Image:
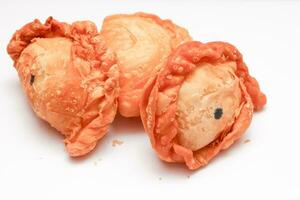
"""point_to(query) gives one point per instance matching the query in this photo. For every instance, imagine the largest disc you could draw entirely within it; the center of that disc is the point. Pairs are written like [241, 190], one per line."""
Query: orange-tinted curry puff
[142, 43]
[70, 77]
[200, 103]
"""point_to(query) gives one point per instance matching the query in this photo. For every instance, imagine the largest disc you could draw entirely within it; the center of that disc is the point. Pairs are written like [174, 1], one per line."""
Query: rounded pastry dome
[208, 103]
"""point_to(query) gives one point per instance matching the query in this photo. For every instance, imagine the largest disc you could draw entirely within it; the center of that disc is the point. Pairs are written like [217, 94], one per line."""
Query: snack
[200, 103]
[142, 43]
[70, 78]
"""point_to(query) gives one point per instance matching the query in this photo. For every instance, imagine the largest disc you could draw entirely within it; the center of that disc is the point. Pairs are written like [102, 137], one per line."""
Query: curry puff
[200, 103]
[142, 43]
[70, 77]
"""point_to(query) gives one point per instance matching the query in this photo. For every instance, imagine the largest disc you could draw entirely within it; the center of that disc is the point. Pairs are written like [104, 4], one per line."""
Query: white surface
[33, 161]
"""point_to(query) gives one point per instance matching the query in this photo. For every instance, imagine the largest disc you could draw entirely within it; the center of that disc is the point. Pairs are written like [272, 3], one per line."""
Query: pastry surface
[142, 43]
[208, 103]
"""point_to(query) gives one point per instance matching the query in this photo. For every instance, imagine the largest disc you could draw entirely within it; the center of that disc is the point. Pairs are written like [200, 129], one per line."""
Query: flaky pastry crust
[71, 79]
[159, 103]
[142, 43]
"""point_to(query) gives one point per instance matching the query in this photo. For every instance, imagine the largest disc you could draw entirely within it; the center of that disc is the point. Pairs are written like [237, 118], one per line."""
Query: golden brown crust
[161, 124]
[142, 43]
[179, 34]
[24, 36]
[70, 78]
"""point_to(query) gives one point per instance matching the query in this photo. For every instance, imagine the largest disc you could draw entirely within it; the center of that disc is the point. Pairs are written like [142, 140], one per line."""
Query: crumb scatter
[117, 143]
[247, 141]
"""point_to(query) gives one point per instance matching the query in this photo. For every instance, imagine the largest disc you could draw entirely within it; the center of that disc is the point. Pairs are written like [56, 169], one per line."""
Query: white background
[33, 161]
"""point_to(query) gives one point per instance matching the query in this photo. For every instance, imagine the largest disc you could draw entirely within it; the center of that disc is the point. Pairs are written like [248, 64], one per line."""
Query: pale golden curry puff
[200, 103]
[142, 43]
[70, 78]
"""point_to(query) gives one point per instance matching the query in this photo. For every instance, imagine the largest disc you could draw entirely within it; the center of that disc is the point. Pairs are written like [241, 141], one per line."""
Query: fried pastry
[70, 78]
[200, 103]
[142, 43]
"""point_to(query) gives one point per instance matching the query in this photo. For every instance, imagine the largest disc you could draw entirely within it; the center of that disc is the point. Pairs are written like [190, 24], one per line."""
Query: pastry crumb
[247, 141]
[117, 143]
[188, 176]
[160, 178]
[97, 161]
